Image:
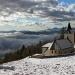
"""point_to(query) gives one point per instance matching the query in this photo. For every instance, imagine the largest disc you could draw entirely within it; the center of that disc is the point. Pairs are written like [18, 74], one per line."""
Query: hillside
[33, 66]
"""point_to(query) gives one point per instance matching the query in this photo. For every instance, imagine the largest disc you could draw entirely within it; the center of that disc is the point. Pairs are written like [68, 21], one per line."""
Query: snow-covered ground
[34, 66]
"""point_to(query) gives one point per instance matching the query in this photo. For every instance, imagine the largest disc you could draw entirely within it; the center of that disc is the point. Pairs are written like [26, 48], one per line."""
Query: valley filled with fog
[11, 41]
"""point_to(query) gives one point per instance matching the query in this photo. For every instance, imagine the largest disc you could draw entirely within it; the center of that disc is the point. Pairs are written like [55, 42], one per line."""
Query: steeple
[69, 28]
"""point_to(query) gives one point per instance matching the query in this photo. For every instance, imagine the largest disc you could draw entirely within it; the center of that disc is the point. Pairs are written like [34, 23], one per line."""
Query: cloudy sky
[36, 15]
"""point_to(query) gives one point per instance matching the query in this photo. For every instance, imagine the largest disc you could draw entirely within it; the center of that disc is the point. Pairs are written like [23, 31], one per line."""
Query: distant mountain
[48, 31]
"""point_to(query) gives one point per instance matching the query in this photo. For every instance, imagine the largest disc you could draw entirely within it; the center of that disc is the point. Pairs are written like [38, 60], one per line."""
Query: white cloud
[71, 8]
[21, 13]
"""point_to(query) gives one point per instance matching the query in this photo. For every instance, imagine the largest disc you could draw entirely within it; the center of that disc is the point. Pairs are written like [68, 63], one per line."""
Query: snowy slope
[33, 66]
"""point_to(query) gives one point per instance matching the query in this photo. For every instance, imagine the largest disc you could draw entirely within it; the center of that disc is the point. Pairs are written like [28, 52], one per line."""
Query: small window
[55, 51]
[59, 52]
[52, 51]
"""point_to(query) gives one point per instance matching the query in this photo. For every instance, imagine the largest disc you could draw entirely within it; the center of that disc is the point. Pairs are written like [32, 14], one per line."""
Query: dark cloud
[61, 15]
[24, 4]
[44, 8]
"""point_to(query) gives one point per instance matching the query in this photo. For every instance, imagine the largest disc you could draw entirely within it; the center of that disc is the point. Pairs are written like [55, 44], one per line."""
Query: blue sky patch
[67, 1]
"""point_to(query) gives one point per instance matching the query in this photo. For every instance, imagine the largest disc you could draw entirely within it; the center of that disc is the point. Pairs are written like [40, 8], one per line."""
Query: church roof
[64, 43]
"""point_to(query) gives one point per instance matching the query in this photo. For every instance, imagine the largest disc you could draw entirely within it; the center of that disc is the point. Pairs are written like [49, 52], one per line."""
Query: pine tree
[23, 47]
[22, 51]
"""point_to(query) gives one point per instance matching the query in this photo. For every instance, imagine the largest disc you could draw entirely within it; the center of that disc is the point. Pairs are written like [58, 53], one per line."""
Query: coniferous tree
[23, 52]
[23, 47]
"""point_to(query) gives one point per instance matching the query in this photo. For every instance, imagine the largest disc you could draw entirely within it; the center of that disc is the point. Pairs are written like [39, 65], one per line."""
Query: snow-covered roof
[48, 45]
[64, 43]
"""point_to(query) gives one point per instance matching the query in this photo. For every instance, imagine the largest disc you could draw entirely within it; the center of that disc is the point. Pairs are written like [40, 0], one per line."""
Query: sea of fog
[10, 42]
